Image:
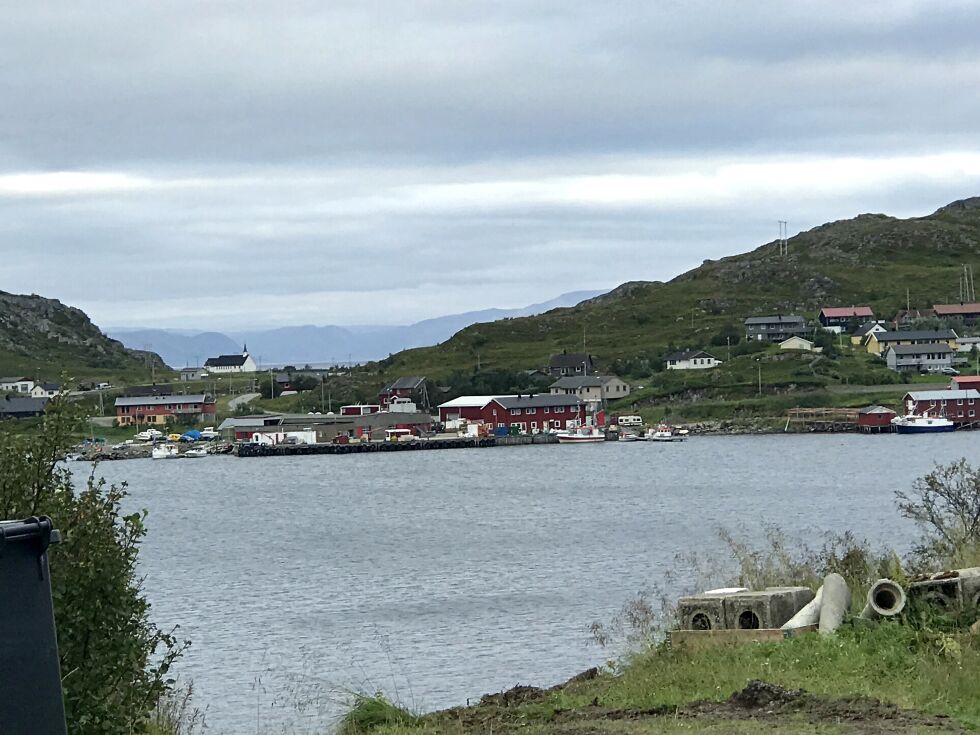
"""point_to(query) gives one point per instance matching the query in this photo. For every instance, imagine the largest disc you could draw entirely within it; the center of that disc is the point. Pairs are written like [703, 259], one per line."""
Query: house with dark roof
[136, 391]
[930, 357]
[156, 410]
[859, 335]
[599, 388]
[691, 360]
[19, 408]
[570, 363]
[529, 413]
[410, 387]
[243, 363]
[45, 390]
[878, 342]
[16, 385]
[836, 318]
[774, 328]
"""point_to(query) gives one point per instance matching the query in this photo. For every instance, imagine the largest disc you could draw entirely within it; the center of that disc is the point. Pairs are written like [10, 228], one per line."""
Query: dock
[293, 450]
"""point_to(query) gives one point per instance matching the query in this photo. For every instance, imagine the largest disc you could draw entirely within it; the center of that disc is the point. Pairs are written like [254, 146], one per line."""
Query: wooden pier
[293, 450]
[822, 419]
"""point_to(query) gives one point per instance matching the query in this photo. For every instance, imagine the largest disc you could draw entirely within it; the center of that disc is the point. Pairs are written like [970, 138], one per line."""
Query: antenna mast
[783, 242]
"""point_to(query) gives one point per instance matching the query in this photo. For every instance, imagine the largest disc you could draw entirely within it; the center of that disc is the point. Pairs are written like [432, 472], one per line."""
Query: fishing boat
[666, 433]
[921, 424]
[163, 451]
[587, 434]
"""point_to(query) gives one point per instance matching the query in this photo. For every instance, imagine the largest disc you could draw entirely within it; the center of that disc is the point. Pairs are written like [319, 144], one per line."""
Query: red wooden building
[134, 410]
[965, 382]
[411, 387]
[875, 419]
[959, 406]
[359, 409]
[528, 413]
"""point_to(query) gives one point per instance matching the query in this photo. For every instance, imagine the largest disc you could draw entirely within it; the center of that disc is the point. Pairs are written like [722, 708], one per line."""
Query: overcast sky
[231, 165]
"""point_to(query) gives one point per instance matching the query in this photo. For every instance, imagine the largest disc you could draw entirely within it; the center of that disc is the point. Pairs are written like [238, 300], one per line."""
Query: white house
[691, 360]
[45, 390]
[16, 385]
[243, 363]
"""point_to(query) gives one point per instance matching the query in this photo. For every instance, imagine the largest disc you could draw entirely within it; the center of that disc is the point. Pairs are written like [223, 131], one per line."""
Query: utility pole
[759, 366]
[321, 391]
[783, 242]
[272, 385]
[728, 345]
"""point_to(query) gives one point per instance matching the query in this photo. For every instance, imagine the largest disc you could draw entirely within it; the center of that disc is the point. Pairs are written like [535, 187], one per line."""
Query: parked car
[949, 371]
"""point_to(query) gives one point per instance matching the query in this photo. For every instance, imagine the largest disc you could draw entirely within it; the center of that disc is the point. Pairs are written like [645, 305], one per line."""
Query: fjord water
[439, 576]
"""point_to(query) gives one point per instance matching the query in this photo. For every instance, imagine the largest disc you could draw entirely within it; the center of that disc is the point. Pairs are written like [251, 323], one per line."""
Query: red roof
[953, 309]
[847, 311]
[967, 380]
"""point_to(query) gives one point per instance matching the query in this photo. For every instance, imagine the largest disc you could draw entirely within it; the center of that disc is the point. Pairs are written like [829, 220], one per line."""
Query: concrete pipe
[835, 603]
[809, 614]
[885, 599]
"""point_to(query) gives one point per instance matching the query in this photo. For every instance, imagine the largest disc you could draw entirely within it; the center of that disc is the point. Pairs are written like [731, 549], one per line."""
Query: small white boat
[666, 433]
[582, 435]
[163, 451]
[627, 436]
[925, 424]
[196, 452]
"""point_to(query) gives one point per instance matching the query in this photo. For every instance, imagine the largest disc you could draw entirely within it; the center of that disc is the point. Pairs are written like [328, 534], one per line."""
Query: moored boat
[196, 452]
[587, 434]
[921, 424]
[628, 436]
[163, 451]
[666, 433]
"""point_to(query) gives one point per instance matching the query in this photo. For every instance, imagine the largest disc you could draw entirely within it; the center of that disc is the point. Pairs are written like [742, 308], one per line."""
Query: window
[547, 409]
[534, 424]
[515, 412]
[972, 413]
[530, 410]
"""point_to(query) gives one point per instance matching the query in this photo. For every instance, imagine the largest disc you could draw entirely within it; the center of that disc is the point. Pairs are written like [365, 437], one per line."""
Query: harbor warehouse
[959, 406]
[525, 412]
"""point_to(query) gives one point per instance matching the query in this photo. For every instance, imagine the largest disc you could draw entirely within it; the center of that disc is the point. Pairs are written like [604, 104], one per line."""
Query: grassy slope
[43, 338]
[870, 259]
[926, 672]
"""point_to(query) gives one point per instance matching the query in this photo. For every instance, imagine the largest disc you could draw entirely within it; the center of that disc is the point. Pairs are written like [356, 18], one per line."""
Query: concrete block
[941, 591]
[768, 608]
[970, 588]
[702, 612]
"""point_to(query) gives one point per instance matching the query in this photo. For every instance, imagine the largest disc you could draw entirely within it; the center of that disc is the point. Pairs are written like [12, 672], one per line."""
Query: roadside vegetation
[913, 675]
[115, 660]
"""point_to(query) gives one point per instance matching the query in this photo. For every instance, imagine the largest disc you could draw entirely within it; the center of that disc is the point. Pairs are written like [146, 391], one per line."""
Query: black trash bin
[30, 678]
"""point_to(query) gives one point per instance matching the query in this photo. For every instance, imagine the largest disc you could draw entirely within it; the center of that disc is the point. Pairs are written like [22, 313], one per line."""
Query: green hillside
[43, 337]
[871, 259]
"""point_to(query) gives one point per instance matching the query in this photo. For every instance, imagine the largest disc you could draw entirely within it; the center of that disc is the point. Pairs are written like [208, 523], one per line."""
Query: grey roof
[537, 400]
[10, 406]
[609, 378]
[160, 400]
[777, 319]
[943, 395]
[864, 329]
[933, 334]
[226, 361]
[14, 380]
[928, 347]
[49, 386]
[576, 382]
[569, 359]
[875, 409]
[408, 382]
[688, 355]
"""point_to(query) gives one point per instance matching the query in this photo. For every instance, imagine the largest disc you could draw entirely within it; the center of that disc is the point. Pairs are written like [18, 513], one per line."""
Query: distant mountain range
[310, 344]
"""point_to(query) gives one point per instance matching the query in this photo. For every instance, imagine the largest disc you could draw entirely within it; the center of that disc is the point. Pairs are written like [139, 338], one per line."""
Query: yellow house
[859, 335]
[877, 343]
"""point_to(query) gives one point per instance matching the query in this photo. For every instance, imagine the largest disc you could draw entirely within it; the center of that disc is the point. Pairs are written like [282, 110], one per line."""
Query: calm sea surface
[439, 576]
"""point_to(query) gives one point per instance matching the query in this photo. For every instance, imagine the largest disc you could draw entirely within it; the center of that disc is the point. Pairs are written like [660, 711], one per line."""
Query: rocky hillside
[43, 335]
[871, 259]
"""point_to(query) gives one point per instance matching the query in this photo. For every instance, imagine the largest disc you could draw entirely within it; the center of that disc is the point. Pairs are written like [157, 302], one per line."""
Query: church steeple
[244, 350]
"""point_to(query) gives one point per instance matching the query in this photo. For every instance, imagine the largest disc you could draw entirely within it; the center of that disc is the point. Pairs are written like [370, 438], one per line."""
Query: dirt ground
[760, 707]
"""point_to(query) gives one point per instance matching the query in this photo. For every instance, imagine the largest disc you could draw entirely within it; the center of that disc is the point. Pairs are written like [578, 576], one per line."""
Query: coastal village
[570, 399]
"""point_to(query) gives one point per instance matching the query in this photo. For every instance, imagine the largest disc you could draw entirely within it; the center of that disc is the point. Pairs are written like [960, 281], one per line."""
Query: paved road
[242, 400]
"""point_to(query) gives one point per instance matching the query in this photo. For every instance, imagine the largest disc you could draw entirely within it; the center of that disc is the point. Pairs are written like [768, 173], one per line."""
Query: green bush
[114, 660]
[369, 713]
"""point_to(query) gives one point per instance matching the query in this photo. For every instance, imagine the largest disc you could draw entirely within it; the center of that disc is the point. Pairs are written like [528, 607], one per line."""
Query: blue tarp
[191, 436]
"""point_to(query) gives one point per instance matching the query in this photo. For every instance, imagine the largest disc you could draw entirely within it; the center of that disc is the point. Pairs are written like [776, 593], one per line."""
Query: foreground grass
[931, 673]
